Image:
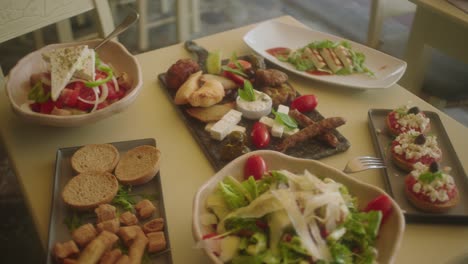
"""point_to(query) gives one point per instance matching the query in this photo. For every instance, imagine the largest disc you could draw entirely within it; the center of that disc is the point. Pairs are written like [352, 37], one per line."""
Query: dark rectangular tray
[309, 149]
[394, 177]
[58, 231]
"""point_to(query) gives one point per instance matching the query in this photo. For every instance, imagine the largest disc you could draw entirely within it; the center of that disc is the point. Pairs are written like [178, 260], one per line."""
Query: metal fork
[363, 163]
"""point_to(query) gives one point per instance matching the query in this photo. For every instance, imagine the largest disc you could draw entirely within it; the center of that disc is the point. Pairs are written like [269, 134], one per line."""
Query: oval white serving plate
[271, 34]
[391, 233]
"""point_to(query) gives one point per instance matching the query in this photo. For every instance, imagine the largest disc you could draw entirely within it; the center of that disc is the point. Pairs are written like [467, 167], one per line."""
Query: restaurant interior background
[446, 78]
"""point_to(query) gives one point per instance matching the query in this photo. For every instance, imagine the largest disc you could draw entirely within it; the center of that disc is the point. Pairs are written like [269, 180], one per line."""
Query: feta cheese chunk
[65, 62]
[223, 127]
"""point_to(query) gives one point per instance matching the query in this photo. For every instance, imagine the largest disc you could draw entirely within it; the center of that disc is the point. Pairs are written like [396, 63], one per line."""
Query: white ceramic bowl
[390, 235]
[113, 53]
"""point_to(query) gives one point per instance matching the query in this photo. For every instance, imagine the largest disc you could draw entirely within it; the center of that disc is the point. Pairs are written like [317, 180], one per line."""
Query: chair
[18, 18]
[187, 12]
[381, 9]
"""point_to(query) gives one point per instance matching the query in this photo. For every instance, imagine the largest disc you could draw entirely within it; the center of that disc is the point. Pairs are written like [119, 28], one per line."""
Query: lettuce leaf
[232, 196]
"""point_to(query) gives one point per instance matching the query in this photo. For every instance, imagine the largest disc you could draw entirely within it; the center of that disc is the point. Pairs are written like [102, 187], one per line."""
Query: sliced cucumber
[213, 62]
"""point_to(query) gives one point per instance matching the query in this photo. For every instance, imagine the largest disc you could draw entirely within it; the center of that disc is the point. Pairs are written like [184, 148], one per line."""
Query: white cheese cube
[221, 129]
[267, 121]
[277, 130]
[283, 109]
[288, 132]
[233, 116]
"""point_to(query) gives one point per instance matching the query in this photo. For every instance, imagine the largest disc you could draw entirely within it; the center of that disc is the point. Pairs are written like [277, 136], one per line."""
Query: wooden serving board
[309, 149]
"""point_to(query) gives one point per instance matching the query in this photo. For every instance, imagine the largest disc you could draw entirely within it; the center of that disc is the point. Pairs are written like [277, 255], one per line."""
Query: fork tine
[373, 162]
[369, 158]
[376, 167]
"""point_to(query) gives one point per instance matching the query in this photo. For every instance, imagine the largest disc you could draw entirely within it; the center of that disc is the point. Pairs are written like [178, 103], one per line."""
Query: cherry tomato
[380, 203]
[260, 135]
[304, 103]
[255, 166]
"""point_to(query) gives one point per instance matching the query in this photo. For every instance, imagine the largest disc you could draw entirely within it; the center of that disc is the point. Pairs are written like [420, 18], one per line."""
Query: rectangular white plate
[271, 34]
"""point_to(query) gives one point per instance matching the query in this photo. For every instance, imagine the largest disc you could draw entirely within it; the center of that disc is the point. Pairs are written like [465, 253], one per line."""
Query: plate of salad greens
[267, 207]
[324, 57]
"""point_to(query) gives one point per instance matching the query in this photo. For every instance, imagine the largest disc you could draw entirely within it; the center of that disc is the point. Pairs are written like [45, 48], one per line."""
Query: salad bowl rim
[82, 119]
[221, 174]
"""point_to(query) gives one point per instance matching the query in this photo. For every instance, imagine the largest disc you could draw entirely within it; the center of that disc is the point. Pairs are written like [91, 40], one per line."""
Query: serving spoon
[126, 23]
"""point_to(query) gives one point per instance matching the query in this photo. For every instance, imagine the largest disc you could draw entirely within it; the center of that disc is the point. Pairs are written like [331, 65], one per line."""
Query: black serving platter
[58, 231]
[394, 177]
[309, 149]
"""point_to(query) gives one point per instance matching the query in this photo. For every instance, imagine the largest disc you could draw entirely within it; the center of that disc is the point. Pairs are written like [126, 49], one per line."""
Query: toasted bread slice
[212, 113]
[95, 157]
[138, 166]
[431, 207]
[88, 190]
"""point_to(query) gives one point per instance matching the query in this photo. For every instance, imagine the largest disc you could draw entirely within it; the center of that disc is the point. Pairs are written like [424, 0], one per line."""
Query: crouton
[145, 209]
[156, 241]
[105, 212]
[129, 233]
[112, 225]
[111, 257]
[84, 234]
[128, 219]
[66, 249]
[154, 225]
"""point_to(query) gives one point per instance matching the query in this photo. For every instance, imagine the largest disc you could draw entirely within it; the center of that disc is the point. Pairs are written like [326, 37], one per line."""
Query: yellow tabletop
[184, 167]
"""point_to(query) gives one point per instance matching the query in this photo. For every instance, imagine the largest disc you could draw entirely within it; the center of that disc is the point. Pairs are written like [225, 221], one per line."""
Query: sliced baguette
[88, 190]
[138, 166]
[95, 157]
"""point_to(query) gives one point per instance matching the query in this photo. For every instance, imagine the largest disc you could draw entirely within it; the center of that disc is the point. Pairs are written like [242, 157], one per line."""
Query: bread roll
[95, 157]
[90, 189]
[138, 166]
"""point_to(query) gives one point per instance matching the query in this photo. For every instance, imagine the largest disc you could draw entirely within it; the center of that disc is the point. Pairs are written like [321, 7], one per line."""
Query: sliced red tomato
[255, 166]
[209, 235]
[279, 52]
[47, 107]
[244, 64]
[380, 203]
[103, 104]
[234, 77]
[260, 135]
[68, 98]
[86, 94]
[305, 103]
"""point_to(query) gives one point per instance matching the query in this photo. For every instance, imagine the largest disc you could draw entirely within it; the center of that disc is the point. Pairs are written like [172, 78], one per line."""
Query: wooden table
[437, 24]
[184, 167]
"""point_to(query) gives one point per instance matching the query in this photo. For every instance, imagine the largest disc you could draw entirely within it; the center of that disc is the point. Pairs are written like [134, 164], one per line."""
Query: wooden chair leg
[38, 38]
[105, 17]
[64, 31]
[142, 25]
[375, 23]
[196, 23]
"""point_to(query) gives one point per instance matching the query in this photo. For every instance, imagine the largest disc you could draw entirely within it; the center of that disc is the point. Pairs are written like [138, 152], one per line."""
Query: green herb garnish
[76, 220]
[37, 93]
[284, 119]
[247, 93]
[109, 73]
[238, 72]
[429, 177]
[124, 199]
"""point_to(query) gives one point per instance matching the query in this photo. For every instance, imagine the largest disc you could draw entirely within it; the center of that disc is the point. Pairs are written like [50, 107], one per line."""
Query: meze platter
[333, 59]
[441, 191]
[237, 105]
[118, 228]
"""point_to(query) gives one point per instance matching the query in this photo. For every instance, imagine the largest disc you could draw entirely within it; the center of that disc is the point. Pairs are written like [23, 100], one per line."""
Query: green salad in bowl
[266, 207]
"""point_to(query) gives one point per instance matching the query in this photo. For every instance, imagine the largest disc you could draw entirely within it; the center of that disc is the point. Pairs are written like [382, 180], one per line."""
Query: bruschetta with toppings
[411, 147]
[405, 118]
[431, 189]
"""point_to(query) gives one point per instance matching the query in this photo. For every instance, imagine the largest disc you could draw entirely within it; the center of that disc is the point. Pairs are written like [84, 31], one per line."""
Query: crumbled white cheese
[411, 150]
[435, 190]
